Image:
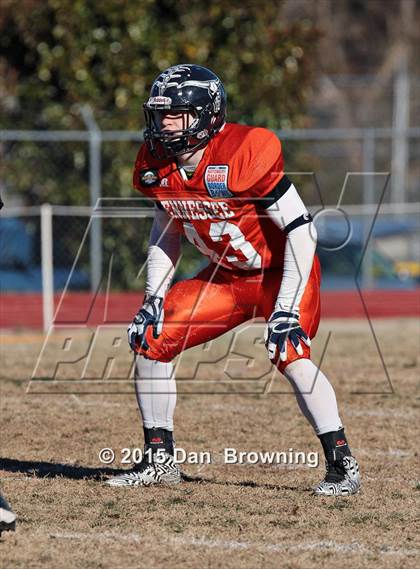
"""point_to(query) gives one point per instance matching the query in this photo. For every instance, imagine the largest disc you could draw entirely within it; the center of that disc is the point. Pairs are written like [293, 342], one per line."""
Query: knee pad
[161, 349]
[293, 356]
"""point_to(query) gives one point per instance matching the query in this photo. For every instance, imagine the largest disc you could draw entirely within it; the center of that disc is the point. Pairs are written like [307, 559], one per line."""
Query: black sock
[158, 438]
[335, 445]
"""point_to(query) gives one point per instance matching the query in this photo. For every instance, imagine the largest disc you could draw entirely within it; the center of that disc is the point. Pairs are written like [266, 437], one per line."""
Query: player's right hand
[150, 314]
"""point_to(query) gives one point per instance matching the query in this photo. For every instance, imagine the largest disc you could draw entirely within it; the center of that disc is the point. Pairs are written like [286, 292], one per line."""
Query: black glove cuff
[283, 314]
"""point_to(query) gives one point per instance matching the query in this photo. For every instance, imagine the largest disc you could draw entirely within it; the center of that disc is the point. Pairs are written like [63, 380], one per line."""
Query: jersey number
[237, 242]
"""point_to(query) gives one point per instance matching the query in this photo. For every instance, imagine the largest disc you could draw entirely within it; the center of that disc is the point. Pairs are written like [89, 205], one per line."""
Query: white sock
[156, 392]
[315, 395]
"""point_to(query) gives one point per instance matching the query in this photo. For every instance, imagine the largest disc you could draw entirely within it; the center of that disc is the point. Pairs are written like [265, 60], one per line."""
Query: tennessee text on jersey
[197, 209]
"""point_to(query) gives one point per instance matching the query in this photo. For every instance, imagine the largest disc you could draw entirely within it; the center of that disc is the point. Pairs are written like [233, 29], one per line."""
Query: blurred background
[338, 81]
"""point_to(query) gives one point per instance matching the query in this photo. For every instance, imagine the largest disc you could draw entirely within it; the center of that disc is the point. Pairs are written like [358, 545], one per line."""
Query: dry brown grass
[224, 516]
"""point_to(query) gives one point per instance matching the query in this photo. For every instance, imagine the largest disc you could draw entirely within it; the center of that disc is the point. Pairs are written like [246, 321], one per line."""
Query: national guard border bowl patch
[148, 177]
[216, 181]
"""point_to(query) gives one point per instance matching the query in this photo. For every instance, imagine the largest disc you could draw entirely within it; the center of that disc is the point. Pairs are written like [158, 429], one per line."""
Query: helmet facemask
[165, 143]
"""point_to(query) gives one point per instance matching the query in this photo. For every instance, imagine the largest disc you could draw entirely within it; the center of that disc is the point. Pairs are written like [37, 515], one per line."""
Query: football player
[7, 516]
[222, 185]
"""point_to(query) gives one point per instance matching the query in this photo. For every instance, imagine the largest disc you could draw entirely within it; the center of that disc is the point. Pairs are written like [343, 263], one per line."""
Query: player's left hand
[283, 326]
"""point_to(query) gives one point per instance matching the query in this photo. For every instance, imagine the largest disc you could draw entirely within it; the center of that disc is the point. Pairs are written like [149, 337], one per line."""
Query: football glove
[150, 314]
[283, 326]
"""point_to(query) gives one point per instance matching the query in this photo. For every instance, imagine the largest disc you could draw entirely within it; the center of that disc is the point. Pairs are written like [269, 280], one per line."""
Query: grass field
[222, 515]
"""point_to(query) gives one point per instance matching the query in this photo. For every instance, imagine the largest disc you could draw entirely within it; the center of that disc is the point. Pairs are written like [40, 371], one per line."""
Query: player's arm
[162, 256]
[287, 210]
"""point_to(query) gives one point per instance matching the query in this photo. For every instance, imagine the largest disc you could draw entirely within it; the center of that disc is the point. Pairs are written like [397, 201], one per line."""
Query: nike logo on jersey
[195, 209]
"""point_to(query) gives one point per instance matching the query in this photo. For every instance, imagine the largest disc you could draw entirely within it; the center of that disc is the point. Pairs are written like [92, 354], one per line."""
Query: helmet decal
[217, 102]
[163, 81]
[160, 102]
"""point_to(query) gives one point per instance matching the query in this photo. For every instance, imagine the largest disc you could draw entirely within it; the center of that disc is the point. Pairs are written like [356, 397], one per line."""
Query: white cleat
[7, 517]
[342, 479]
[161, 470]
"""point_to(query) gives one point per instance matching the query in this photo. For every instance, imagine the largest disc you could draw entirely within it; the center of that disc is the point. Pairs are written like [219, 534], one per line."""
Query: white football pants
[156, 394]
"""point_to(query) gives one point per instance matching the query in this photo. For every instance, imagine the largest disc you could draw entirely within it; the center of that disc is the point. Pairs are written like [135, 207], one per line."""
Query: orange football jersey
[219, 209]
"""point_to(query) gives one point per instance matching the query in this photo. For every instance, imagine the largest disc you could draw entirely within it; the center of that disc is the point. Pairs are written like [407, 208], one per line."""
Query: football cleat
[162, 469]
[342, 478]
[7, 517]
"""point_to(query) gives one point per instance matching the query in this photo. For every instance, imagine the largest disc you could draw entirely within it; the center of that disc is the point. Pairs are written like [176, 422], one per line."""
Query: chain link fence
[78, 167]
[346, 168]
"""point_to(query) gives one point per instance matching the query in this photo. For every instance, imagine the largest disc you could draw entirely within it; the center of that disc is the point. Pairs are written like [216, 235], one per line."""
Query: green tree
[56, 55]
